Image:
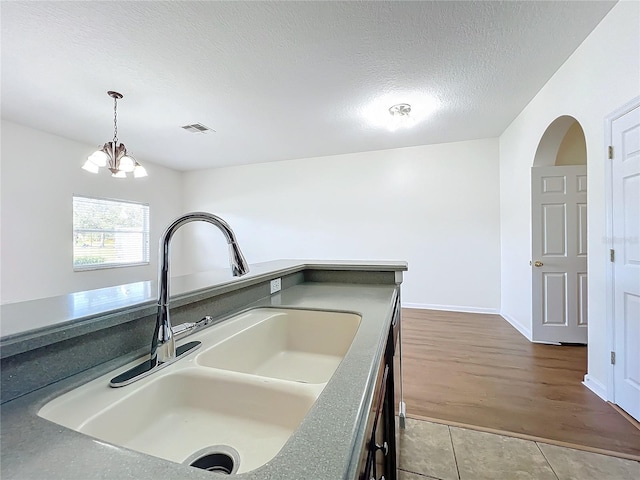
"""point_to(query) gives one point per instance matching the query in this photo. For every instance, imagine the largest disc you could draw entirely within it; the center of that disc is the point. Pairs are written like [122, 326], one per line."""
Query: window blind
[109, 233]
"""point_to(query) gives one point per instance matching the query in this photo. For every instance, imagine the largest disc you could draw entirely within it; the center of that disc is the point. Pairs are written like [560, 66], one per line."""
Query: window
[109, 233]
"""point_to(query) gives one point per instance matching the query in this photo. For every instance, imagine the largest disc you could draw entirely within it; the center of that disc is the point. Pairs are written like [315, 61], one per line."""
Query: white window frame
[108, 265]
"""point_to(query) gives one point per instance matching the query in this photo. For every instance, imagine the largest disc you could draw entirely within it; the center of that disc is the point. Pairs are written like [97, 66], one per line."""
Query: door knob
[538, 263]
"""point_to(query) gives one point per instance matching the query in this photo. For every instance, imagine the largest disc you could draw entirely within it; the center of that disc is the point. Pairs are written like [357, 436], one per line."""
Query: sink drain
[215, 462]
[218, 458]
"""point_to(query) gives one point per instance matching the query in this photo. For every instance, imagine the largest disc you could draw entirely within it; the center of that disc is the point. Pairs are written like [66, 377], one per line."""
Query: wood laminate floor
[477, 370]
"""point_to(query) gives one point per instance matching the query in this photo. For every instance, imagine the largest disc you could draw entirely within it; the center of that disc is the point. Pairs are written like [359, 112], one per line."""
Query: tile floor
[439, 452]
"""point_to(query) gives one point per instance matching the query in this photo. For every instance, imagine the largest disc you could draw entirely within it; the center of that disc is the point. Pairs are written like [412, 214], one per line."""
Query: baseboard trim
[524, 331]
[595, 386]
[450, 308]
[627, 416]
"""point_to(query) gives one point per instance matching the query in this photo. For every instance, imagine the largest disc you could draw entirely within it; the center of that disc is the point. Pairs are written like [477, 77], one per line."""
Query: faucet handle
[187, 328]
[204, 321]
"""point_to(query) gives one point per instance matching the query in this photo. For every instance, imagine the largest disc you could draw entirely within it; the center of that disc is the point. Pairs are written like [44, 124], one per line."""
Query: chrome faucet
[163, 344]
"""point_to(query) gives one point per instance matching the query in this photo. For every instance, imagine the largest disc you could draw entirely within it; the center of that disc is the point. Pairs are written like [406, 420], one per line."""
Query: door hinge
[610, 152]
[613, 358]
[612, 255]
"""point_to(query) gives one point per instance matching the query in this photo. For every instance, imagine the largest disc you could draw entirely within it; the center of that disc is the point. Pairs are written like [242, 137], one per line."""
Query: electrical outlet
[276, 285]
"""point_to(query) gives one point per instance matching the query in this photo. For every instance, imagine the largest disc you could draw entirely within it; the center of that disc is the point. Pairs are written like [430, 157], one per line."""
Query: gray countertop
[325, 446]
[60, 310]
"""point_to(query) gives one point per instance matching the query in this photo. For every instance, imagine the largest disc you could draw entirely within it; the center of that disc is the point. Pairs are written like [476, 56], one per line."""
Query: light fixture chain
[115, 122]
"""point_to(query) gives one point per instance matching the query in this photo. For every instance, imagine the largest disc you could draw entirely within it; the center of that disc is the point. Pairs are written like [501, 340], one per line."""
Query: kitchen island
[335, 440]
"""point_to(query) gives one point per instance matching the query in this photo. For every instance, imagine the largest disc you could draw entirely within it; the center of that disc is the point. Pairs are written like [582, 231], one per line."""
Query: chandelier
[113, 155]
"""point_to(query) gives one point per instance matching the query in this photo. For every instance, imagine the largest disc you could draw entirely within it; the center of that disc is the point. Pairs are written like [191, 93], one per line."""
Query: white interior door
[625, 173]
[559, 253]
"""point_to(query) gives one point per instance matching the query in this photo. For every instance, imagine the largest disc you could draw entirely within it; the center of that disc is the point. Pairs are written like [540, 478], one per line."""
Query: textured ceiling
[280, 80]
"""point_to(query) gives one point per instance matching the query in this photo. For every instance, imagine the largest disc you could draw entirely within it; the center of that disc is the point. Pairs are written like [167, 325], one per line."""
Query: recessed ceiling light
[400, 110]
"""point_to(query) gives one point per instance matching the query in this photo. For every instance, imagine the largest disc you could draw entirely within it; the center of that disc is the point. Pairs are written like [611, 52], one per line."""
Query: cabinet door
[379, 445]
[390, 406]
[383, 442]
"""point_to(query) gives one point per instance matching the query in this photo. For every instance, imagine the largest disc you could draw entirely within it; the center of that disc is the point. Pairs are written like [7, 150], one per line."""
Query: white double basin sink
[248, 387]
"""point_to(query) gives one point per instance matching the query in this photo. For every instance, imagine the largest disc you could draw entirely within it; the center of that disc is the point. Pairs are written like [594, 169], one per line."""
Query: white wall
[601, 75]
[40, 173]
[435, 206]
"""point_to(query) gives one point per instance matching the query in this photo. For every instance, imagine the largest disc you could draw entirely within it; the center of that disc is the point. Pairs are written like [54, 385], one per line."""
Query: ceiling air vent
[197, 128]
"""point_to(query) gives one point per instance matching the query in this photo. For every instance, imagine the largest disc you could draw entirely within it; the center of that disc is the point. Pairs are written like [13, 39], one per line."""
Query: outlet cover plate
[276, 285]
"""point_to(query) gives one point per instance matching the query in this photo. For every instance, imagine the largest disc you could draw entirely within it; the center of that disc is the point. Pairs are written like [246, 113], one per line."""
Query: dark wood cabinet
[378, 458]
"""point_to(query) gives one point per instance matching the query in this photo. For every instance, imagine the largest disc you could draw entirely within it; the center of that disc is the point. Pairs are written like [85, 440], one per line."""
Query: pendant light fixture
[113, 155]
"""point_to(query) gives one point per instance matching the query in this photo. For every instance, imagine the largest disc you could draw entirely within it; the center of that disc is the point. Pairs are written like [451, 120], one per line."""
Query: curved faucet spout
[163, 347]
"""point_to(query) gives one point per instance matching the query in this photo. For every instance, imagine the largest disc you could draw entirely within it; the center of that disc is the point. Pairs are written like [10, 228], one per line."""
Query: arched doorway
[559, 234]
